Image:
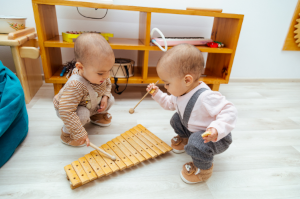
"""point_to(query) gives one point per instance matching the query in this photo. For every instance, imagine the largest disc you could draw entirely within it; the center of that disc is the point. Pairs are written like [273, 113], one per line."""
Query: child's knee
[111, 100]
[175, 120]
[196, 145]
[83, 114]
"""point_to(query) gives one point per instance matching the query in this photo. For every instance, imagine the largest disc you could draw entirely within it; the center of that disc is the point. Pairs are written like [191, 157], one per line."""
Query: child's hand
[83, 140]
[155, 88]
[212, 137]
[103, 104]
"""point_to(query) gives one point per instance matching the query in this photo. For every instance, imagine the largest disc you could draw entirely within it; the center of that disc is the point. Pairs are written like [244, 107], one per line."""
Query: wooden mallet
[131, 110]
[103, 152]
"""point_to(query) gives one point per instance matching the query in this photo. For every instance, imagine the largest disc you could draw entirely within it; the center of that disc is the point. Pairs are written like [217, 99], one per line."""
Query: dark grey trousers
[201, 153]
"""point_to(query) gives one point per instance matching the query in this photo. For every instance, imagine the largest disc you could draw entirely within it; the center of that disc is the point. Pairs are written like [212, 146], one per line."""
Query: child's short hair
[183, 59]
[91, 44]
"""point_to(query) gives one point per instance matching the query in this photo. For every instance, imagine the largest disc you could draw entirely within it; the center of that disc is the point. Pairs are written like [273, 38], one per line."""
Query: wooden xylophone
[130, 148]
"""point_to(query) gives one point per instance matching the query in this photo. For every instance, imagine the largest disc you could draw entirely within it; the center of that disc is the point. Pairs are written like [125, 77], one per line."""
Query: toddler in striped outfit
[198, 109]
[86, 97]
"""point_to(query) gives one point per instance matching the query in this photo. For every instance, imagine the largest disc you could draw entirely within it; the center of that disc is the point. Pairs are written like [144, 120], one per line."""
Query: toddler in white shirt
[199, 109]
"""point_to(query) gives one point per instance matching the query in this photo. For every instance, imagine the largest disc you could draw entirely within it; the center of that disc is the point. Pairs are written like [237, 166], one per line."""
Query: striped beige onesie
[74, 94]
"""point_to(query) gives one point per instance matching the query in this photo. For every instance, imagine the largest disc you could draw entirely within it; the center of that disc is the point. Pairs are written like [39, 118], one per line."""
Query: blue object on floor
[13, 114]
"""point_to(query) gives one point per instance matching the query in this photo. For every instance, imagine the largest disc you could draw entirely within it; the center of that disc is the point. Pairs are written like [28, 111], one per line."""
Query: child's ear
[188, 80]
[79, 66]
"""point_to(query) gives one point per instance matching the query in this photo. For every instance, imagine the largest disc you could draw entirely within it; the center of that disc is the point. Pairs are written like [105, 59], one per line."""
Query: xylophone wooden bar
[146, 141]
[120, 154]
[131, 148]
[87, 168]
[142, 145]
[96, 167]
[136, 146]
[128, 154]
[154, 137]
[118, 163]
[139, 156]
[107, 170]
[153, 141]
[80, 172]
[72, 176]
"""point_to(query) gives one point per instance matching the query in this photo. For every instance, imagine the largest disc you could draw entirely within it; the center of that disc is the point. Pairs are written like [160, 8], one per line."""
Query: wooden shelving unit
[226, 28]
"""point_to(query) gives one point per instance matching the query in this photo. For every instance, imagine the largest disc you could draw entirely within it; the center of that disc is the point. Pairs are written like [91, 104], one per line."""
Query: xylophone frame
[130, 148]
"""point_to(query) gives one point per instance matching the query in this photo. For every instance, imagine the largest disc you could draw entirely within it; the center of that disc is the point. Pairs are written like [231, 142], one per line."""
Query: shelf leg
[57, 88]
[214, 87]
[21, 72]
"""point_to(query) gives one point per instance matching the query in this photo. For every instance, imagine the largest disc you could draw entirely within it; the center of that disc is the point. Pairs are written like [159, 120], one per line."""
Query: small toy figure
[215, 44]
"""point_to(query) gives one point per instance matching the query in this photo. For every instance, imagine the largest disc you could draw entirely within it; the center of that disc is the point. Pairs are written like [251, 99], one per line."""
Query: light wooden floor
[263, 161]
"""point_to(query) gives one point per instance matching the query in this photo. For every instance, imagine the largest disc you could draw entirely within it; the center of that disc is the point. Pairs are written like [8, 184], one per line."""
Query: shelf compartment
[209, 79]
[115, 43]
[136, 79]
[201, 48]
[129, 44]
[77, 3]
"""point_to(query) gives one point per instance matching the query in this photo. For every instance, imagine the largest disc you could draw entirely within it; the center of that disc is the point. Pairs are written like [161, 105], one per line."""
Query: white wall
[258, 55]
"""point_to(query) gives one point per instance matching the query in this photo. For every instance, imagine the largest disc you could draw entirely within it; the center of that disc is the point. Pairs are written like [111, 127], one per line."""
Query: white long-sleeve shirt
[211, 110]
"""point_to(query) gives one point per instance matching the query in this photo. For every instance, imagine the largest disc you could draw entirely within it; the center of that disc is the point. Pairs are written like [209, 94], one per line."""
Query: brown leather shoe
[65, 139]
[178, 143]
[191, 174]
[101, 119]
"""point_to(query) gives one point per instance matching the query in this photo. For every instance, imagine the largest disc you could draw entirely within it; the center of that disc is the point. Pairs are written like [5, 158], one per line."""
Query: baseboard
[257, 80]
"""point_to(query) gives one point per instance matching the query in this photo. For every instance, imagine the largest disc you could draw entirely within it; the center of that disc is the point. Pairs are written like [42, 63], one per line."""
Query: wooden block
[155, 137]
[20, 33]
[72, 176]
[112, 165]
[144, 140]
[128, 154]
[106, 169]
[87, 168]
[132, 142]
[29, 52]
[153, 141]
[96, 167]
[120, 154]
[80, 172]
[118, 160]
[132, 150]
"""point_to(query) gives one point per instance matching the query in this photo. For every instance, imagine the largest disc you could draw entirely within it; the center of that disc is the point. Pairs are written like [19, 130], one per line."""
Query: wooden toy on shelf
[70, 36]
[130, 148]
[215, 44]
